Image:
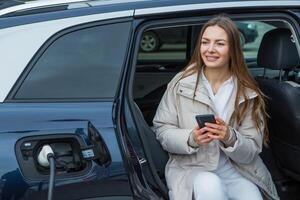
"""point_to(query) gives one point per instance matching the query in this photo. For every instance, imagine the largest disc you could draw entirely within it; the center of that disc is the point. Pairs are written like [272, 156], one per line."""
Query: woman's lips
[211, 58]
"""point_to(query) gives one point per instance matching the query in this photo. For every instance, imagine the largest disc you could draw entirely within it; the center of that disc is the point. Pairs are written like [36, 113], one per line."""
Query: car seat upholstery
[278, 52]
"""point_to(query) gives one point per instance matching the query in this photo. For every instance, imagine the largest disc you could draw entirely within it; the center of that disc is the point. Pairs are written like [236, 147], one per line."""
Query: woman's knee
[208, 185]
[246, 187]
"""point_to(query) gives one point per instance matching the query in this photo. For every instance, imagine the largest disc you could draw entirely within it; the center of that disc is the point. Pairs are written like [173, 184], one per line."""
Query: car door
[144, 92]
[59, 80]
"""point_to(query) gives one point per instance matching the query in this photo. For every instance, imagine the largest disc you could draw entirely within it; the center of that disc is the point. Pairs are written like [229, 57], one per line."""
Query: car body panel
[32, 119]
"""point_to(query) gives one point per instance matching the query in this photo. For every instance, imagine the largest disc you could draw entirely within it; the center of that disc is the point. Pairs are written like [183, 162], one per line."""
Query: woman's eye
[220, 44]
[204, 42]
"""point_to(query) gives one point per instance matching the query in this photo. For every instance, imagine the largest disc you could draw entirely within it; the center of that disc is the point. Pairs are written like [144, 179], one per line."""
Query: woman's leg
[238, 187]
[243, 189]
[208, 186]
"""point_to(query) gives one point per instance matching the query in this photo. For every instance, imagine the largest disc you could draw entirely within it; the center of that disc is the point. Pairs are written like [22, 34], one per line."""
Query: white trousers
[223, 184]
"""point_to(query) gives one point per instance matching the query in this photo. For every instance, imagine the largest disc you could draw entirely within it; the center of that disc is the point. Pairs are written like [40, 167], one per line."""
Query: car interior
[272, 59]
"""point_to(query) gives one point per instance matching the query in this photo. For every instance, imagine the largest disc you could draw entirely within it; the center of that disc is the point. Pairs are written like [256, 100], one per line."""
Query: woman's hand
[201, 136]
[219, 131]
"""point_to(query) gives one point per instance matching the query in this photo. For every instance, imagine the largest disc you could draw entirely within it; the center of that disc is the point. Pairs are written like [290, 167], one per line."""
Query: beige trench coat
[173, 124]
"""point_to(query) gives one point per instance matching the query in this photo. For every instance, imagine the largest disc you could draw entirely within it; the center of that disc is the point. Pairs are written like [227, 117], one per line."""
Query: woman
[218, 161]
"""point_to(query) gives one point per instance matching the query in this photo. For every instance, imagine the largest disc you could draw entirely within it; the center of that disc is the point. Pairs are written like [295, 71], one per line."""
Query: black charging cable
[52, 175]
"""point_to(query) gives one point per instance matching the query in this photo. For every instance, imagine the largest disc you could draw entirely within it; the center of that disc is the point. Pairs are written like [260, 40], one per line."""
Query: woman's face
[214, 47]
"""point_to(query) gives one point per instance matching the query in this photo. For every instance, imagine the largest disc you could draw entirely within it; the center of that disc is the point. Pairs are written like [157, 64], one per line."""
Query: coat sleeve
[172, 138]
[248, 143]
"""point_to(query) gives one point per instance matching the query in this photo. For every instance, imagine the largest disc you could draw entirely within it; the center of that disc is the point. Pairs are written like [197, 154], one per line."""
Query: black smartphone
[202, 119]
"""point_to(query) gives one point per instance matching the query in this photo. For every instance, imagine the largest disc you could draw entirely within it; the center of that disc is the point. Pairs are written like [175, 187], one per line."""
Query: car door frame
[143, 22]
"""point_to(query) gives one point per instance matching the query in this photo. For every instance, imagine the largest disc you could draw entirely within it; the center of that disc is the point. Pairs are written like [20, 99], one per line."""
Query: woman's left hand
[219, 131]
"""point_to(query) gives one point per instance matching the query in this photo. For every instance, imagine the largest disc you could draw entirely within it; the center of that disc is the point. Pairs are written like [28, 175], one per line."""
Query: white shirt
[222, 98]
[221, 101]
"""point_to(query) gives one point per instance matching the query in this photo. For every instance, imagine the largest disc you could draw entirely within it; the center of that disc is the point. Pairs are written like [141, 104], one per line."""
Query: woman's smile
[211, 58]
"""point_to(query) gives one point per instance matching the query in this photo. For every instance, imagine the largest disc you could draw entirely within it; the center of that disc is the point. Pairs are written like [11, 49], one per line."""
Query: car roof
[10, 6]
[142, 7]
[9, 3]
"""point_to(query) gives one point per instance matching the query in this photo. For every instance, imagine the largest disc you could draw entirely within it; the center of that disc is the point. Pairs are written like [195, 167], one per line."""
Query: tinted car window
[82, 64]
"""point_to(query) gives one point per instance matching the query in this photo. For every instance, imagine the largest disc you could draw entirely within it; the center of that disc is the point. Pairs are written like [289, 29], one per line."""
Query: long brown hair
[238, 69]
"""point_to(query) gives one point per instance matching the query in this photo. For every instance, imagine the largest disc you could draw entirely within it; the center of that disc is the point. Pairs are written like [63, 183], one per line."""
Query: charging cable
[46, 159]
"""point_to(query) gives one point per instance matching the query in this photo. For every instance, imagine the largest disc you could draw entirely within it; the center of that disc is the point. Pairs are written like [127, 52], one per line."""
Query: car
[153, 40]
[248, 32]
[78, 95]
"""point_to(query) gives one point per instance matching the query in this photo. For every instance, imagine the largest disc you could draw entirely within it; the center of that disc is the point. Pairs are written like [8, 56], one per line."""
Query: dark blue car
[78, 95]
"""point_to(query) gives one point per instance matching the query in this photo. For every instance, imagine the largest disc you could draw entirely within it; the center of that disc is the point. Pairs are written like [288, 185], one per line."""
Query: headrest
[278, 50]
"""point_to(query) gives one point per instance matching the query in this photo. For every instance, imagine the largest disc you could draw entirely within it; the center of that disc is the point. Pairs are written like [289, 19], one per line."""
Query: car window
[81, 64]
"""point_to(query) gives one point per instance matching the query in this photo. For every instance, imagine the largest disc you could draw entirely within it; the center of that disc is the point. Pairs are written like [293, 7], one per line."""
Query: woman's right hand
[200, 136]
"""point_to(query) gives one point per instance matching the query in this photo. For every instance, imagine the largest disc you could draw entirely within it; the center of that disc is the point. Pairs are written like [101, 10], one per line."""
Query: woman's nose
[211, 47]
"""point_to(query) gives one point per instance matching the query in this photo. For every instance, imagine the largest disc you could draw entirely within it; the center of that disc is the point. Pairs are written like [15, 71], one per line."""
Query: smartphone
[202, 119]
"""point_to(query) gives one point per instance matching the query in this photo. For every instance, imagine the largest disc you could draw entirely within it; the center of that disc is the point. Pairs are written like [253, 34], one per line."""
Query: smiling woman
[224, 155]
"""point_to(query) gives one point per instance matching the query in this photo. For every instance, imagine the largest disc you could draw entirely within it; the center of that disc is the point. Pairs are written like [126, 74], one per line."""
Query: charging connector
[46, 159]
[44, 154]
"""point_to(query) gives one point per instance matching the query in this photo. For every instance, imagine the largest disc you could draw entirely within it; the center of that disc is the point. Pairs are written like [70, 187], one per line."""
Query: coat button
[180, 91]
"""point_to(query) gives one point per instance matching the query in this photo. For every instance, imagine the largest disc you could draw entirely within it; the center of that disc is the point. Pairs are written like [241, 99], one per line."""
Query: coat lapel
[187, 87]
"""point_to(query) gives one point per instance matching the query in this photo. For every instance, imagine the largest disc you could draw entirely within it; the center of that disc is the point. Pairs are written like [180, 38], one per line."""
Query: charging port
[67, 156]
[67, 148]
